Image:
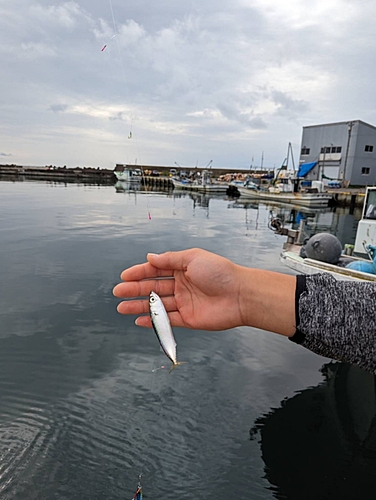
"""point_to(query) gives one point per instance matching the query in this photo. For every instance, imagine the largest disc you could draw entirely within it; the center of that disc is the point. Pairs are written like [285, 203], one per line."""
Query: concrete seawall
[349, 197]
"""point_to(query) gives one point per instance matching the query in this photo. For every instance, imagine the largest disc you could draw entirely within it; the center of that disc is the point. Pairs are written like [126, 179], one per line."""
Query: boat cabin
[366, 233]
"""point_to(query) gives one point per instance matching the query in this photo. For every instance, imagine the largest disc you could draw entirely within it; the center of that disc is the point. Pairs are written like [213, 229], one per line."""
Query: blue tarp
[305, 168]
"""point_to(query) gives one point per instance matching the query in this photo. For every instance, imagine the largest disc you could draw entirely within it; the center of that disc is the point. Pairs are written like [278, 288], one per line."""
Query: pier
[348, 197]
[161, 182]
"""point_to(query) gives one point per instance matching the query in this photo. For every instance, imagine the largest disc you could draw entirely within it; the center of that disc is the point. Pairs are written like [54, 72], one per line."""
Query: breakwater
[86, 175]
[60, 173]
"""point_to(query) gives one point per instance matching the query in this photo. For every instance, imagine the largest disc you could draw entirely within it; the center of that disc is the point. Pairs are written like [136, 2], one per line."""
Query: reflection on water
[321, 443]
[83, 413]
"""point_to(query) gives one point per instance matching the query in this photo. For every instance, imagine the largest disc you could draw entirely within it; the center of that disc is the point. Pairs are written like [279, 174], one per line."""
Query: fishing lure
[162, 328]
[105, 46]
[138, 494]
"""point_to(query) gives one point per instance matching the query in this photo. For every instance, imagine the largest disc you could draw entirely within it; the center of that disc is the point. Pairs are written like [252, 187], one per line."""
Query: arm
[201, 290]
[337, 319]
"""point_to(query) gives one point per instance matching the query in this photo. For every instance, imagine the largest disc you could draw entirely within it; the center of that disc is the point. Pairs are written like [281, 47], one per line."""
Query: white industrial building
[345, 151]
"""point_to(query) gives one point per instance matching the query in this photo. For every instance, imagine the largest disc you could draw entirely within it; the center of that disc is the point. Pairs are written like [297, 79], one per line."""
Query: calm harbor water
[251, 416]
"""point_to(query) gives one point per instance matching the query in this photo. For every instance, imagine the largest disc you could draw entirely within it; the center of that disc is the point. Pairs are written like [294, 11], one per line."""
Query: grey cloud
[188, 73]
[287, 106]
[119, 116]
[57, 108]
[5, 154]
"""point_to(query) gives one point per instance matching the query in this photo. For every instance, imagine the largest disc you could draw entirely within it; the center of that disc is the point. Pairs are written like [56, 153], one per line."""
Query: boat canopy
[305, 168]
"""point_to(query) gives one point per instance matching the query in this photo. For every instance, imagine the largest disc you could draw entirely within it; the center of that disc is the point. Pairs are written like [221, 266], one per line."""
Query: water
[251, 416]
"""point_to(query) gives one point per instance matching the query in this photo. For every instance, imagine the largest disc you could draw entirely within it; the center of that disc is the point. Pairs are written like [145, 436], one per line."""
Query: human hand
[200, 290]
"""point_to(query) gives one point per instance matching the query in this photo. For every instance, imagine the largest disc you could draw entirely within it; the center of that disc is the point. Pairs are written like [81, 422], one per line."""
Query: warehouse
[344, 150]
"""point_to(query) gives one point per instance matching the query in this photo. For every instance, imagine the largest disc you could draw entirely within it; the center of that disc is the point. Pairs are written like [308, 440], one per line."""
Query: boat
[301, 198]
[287, 187]
[362, 252]
[202, 184]
[129, 174]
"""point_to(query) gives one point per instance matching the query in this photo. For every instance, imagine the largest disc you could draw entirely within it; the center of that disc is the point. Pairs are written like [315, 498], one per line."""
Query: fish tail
[177, 364]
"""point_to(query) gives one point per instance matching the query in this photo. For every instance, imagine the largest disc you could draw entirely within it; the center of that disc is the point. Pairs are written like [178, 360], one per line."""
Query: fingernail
[151, 254]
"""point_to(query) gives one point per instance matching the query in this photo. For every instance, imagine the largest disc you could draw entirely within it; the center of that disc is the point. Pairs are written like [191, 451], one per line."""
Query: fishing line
[138, 493]
[130, 134]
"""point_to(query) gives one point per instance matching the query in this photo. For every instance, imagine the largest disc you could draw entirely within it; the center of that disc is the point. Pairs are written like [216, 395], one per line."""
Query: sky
[187, 82]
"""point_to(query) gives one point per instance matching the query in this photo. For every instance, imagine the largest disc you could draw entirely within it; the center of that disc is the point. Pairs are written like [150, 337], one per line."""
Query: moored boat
[129, 174]
[364, 248]
[202, 184]
[287, 187]
[286, 191]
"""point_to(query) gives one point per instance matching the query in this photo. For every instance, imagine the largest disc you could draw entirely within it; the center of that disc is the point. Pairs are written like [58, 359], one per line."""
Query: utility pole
[323, 165]
[349, 128]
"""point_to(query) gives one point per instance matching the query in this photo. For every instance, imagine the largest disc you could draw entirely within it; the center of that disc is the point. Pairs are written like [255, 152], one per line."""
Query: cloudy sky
[193, 81]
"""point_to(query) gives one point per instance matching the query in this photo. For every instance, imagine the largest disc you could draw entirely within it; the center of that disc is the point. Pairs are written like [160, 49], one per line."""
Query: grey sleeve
[337, 319]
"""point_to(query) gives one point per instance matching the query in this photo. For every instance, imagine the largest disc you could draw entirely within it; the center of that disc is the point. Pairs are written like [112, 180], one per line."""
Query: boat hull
[201, 188]
[310, 266]
[304, 199]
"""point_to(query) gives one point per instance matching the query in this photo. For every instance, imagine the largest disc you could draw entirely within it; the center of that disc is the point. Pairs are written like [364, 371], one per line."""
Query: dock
[348, 197]
[161, 182]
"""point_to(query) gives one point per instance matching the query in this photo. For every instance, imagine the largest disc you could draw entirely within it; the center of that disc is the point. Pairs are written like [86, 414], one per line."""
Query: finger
[131, 289]
[144, 271]
[172, 260]
[175, 320]
[142, 306]
[144, 321]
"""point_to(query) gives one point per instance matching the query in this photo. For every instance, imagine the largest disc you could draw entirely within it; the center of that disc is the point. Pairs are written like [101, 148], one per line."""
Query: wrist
[267, 300]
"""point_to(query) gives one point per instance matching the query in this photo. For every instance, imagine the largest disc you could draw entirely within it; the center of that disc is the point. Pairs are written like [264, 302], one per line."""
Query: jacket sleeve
[337, 319]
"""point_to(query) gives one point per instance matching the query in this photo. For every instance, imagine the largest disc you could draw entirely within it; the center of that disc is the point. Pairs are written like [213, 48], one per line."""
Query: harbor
[67, 242]
[161, 178]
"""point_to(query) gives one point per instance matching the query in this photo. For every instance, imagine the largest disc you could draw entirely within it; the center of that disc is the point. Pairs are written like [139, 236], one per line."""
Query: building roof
[341, 123]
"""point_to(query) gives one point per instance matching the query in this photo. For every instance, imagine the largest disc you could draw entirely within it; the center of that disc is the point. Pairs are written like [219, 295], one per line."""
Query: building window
[336, 149]
[305, 151]
[365, 170]
[325, 150]
[368, 148]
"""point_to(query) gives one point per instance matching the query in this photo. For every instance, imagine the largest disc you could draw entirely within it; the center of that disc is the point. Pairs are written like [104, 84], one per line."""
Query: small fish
[162, 328]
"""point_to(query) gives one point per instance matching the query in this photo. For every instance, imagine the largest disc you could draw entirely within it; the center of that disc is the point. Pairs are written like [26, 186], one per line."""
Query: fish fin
[177, 364]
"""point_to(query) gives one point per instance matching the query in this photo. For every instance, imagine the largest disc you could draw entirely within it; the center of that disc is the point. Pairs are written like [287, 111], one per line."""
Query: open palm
[200, 290]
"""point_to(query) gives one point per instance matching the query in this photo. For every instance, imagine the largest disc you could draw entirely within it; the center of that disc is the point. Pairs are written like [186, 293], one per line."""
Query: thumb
[172, 260]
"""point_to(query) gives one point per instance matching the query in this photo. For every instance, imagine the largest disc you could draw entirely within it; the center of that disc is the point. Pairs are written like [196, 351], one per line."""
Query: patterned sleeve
[337, 319]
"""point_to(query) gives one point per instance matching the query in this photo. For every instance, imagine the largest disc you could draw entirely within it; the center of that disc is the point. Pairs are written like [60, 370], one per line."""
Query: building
[345, 151]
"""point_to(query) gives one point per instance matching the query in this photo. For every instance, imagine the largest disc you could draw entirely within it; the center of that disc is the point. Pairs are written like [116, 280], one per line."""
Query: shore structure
[60, 174]
[159, 177]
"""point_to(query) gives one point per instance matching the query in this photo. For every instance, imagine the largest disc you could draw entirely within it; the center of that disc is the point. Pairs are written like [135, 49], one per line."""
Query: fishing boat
[202, 183]
[129, 174]
[287, 187]
[302, 198]
[365, 239]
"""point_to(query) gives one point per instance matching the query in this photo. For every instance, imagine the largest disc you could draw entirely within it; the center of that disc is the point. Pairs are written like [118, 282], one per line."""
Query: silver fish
[162, 328]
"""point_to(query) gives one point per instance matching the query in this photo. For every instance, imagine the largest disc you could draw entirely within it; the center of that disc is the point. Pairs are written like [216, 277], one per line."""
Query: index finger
[145, 271]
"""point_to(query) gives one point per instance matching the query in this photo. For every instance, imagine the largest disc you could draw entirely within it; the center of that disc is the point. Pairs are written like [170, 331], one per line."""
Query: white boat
[202, 184]
[129, 174]
[275, 194]
[287, 188]
[365, 237]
